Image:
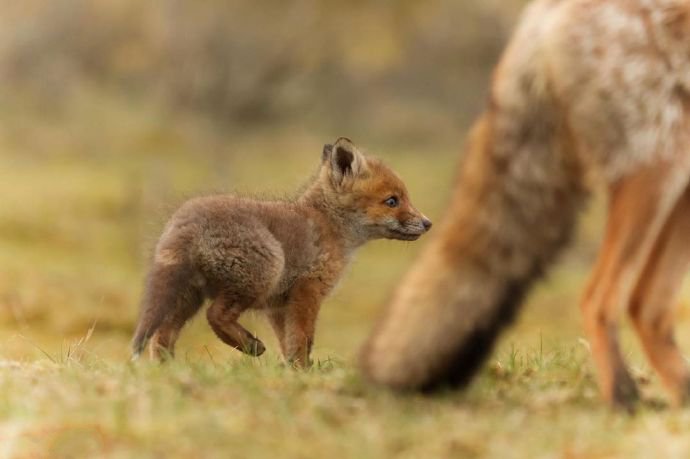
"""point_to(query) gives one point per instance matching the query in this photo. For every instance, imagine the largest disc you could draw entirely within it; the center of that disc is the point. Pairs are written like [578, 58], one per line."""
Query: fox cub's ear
[326, 154]
[346, 161]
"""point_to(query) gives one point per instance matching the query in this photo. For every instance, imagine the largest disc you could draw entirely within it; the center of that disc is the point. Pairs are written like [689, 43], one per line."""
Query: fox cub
[585, 88]
[282, 257]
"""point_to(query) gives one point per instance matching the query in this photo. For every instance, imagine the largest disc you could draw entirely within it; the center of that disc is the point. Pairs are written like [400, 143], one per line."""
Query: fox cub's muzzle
[410, 229]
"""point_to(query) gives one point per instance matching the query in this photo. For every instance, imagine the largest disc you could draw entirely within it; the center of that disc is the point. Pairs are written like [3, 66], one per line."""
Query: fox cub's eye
[392, 201]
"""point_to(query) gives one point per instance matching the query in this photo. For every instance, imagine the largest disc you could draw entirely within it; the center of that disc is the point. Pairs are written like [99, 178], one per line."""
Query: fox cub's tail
[169, 299]
[514, 207]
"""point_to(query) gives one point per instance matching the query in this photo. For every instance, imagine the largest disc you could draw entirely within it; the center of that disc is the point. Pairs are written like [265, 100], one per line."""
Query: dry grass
[528, 403]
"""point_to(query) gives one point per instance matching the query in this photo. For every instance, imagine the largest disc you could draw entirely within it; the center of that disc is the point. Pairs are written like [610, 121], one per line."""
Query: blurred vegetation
[114, 111]
[409, 71]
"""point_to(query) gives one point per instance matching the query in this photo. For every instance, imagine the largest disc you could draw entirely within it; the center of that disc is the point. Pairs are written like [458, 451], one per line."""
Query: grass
[78, 218]
[527, 403]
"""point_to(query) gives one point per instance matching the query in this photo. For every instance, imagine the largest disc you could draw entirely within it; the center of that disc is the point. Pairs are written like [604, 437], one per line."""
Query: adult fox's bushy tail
[505, 225]
[515, 204]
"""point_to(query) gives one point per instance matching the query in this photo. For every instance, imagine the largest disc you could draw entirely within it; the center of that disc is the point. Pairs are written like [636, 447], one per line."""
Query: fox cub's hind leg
[223, 315]
[639, 206]
[164, 338]
[653, 303]
[170, 300]
[243, 275]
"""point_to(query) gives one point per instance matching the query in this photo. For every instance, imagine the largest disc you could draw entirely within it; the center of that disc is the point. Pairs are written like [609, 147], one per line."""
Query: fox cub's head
[369, 194]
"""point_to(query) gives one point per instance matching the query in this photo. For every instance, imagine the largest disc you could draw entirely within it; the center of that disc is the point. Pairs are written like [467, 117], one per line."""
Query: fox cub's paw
[253, 347]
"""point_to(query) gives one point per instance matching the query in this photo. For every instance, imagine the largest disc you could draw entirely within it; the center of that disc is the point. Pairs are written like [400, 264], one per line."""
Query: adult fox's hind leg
[653, 303]
[639, 206]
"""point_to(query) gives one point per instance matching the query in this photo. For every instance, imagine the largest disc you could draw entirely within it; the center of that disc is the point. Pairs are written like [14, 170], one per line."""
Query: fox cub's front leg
[295, 323]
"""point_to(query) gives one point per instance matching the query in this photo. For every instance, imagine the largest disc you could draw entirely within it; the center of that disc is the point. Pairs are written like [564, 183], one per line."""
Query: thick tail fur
[514, 207]
[169, 297]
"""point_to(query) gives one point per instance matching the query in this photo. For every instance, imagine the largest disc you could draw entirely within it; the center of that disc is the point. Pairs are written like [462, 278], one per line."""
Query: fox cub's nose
[426, 223]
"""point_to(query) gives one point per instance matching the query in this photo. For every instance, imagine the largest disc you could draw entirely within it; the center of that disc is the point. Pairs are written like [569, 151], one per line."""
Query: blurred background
[113, 112]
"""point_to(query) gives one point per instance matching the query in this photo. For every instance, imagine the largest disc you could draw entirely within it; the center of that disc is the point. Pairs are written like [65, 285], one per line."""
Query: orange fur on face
[370, 193]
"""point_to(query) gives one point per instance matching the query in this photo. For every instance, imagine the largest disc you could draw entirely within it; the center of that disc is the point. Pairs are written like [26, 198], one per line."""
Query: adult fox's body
[597, 87]
[280, 256]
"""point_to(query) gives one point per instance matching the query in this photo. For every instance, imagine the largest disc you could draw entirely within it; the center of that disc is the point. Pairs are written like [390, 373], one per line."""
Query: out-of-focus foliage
[113, 111]
[406, 69]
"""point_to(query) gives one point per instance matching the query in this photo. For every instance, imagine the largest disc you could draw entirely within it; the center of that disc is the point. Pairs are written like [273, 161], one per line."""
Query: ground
[82, 203]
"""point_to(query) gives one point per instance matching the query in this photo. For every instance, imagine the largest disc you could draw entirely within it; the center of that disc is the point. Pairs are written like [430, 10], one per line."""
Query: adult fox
[585, 87]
